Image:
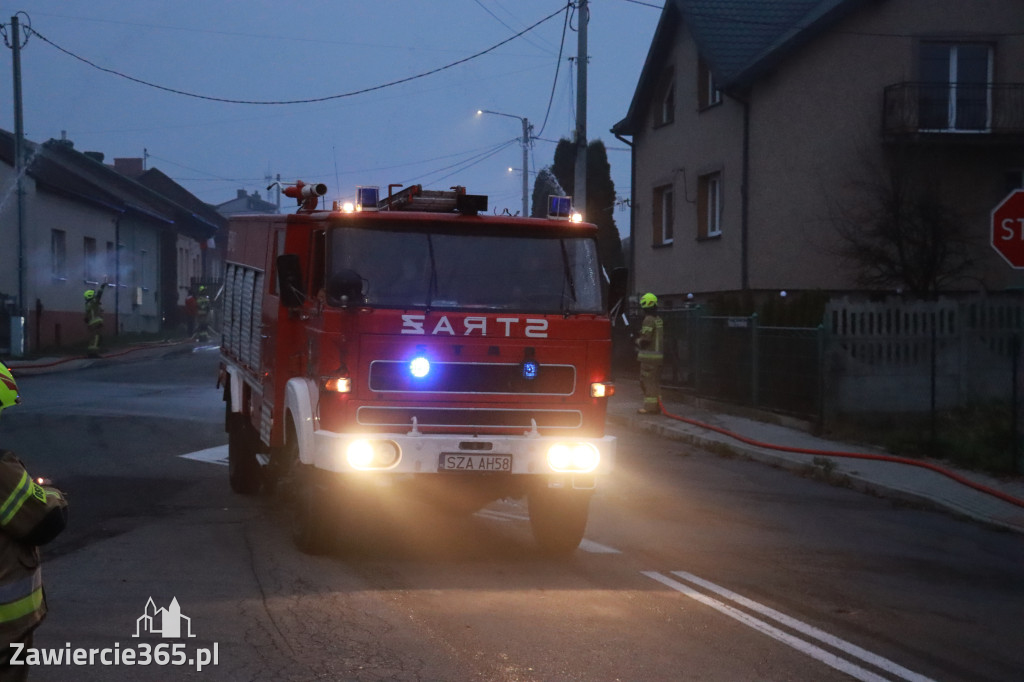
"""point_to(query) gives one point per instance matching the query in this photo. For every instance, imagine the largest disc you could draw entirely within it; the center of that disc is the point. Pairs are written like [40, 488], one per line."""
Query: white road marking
[502, 516]
[807, 648]
[217, 455]
[809, 630]
[585, 545]
[597, 548]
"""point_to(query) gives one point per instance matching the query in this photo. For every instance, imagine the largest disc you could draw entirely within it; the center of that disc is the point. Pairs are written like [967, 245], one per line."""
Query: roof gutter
[632, 213]
[744, 100]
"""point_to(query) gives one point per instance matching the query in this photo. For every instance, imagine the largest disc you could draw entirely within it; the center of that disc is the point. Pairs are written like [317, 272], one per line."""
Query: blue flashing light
[419, 367]
[559, 207]
[366, 198]
[530, 369]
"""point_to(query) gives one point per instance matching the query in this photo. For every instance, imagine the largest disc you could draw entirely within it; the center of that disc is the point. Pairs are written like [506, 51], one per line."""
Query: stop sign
[1008, 228]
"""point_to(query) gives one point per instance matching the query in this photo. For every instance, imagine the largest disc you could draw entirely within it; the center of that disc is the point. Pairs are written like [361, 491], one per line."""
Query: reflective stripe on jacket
[651, 342]
[29, 514]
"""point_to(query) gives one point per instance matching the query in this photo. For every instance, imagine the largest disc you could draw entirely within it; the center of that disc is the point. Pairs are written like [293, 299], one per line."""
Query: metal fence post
[820, 401]
[1015, 347]
[754, 370]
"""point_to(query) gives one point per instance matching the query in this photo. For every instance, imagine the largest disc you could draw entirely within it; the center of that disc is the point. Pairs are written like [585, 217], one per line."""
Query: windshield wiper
[568, 276]
[432, 286]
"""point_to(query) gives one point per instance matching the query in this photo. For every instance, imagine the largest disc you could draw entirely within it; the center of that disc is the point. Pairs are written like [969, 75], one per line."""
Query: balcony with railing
[961, 111]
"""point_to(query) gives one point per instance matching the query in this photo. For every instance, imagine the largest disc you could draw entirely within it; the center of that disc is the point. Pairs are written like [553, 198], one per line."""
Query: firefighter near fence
[413, 346]
[650, 353]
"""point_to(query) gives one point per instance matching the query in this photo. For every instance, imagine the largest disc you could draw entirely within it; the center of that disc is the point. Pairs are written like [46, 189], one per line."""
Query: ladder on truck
[415, 198]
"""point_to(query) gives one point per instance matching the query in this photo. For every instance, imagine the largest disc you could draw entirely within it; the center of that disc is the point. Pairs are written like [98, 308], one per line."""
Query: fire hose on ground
[850, 455]
[71, 358]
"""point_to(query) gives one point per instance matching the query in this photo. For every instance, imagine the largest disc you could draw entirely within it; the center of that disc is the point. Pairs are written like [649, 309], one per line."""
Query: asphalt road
[695, 567]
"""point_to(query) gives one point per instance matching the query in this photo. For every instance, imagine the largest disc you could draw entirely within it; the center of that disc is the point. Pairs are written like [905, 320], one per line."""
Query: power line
[500, 21]
[558, 66]
[645, 4]
[295, 101]
[468, 163]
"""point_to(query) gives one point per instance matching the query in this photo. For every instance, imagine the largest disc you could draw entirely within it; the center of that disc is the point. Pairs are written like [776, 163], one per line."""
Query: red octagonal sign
[1008, 228]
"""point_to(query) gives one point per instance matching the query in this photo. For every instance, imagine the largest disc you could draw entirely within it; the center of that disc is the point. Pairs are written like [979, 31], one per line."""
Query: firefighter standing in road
[650, 352]
[202, 315]
[30, 515]
[94, 318]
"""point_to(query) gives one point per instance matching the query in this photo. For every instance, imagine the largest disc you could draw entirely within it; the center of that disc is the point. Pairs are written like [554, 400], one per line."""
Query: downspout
[632, 210]
[117, 273]
[745, 200]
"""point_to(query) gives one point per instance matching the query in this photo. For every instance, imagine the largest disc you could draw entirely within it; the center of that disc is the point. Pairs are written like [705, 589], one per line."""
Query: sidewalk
[885, 478]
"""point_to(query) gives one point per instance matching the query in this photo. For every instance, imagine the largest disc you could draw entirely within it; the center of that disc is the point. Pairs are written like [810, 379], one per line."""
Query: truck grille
[388, 376]
[468, 417]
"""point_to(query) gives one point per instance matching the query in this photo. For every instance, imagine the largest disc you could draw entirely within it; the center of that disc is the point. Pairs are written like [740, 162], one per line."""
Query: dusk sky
[423, 129]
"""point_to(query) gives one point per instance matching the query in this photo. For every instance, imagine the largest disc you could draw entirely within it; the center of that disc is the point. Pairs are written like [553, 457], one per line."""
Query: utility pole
[580, 189]
[527, 128]
[18, 321]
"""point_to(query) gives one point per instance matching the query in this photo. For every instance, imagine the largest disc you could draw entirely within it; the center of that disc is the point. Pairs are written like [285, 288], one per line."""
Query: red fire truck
[414, 343]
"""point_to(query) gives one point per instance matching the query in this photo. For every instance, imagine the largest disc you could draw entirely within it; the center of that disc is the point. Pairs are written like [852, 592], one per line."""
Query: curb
[797, 464]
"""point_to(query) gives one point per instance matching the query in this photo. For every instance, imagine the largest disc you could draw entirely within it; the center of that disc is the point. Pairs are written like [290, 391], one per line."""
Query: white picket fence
[900, 355]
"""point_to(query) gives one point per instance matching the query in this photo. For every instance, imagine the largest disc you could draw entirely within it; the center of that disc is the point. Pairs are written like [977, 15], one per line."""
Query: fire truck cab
[414, 345]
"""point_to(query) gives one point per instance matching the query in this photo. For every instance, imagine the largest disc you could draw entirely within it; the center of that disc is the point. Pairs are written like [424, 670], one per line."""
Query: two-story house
[777, 143]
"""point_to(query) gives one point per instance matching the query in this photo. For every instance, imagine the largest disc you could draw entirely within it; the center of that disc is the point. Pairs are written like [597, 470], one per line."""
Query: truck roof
[429, 220]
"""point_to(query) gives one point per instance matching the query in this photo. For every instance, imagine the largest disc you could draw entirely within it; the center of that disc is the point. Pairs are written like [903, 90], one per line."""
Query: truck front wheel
[243, 467]
[558, 518]
[311, 511]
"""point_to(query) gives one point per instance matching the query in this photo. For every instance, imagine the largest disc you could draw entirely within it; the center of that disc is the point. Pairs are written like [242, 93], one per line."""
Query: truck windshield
[391, 268]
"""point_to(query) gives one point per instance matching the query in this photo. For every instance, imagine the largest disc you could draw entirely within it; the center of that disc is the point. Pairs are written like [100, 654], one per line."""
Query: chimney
[130, 167]
[242, 194]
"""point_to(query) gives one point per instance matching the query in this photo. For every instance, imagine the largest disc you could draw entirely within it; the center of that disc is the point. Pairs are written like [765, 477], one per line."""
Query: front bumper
[421, 453]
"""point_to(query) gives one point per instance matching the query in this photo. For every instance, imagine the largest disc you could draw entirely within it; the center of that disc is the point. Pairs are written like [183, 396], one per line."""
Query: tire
[558, 518]
[244, 470]
[310, 511]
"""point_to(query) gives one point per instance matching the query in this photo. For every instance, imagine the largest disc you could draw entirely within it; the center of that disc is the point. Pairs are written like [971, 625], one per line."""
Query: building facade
[771, 139]
[83, 224]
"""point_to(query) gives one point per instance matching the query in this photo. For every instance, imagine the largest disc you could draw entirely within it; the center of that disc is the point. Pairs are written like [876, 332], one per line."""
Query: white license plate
[452, 462]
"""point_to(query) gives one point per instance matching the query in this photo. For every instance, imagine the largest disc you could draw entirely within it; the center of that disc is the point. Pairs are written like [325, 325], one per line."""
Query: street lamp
[527, 129]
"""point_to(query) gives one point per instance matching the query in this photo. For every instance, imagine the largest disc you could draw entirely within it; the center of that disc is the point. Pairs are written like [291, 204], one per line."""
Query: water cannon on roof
[306, 195]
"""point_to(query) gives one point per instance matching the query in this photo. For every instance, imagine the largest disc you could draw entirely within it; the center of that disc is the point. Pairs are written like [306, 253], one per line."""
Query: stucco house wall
[815, 125]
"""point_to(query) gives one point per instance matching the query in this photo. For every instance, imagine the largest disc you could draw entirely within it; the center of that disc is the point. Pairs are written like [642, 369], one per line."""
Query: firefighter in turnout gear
[30, 515]
[94, 318]
[650, 346]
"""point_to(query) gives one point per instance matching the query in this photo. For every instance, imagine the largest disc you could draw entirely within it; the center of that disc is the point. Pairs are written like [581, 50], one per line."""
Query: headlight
[573, 457]
[336, 384]
[365, 454]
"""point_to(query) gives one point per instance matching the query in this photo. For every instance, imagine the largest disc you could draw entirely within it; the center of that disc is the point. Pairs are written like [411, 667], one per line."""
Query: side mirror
[289, 280]
[617, 284]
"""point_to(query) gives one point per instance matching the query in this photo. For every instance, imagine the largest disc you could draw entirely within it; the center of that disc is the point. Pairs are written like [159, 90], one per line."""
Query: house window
[58, 254]
[666, 98]
[955, 93]
[89, 259]
[708, 93]
[709, 206]
[663, 215]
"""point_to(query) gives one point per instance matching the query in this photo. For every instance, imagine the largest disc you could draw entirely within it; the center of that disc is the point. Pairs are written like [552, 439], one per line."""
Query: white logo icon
[164, 622]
